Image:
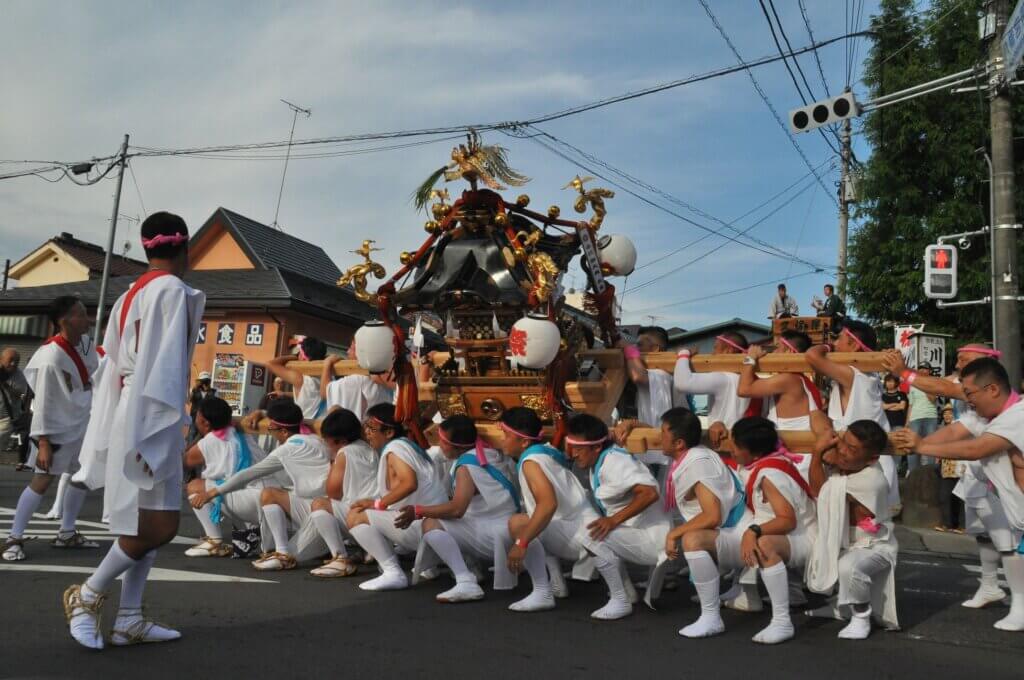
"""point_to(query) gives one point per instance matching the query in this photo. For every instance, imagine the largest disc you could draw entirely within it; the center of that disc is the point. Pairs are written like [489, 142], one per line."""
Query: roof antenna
[296, 109]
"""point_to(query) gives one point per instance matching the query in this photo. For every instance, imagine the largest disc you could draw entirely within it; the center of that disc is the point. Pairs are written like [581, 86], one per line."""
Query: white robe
[835, 536]
[654, 398]
[357, 393]
[147, 415]
[60, 409]
[308, 398]
[998, 469]
[430, 489]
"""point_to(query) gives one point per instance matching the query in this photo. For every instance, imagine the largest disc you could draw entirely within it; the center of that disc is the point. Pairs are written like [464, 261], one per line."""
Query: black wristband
[756, 529]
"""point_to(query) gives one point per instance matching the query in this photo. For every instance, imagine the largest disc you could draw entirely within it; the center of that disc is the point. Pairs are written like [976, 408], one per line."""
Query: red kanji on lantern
[905, 338]
[517, 342]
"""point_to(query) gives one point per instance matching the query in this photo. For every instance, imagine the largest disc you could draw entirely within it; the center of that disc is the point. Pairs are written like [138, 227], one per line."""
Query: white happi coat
[307, 397]
[62, 403]
[654, 398]
[565, 534]
[640, 538]
[139, 405]
[865, 403]
[356, 393]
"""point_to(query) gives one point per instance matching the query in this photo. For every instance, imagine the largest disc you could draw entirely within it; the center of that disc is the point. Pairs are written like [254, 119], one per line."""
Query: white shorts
[384, 522]
[300, 510]
[727, 547]
[341, 509]
[65, 459]
[477, 536]
[638, 545]
[564, 539]
[165, 495]
[242, 505]
[988, 513]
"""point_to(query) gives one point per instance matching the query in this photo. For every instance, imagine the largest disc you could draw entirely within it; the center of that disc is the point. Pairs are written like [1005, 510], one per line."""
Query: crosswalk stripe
[155, 574]
[39, 526]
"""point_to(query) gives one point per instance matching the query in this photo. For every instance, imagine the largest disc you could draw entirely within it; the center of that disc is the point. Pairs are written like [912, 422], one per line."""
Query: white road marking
[976, 568]
[155, 574]
[40, 526]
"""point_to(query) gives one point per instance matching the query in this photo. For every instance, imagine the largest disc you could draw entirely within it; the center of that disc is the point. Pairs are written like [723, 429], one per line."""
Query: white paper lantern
[375, 347]
[617, 254]
[534, 342]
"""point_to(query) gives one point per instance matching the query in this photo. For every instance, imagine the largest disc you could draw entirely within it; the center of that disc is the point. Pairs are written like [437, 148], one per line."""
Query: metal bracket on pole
[1011, 298]
[1016, 227]
[941, 304]
[963, 234]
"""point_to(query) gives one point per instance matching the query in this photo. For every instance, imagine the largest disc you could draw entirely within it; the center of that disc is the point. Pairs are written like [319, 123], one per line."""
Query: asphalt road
[237, 622]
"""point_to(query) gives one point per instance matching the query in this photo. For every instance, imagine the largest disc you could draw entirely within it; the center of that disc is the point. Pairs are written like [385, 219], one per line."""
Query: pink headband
[478, 444]
[994, 353]
[731, 343]
[164, 239]
[781, 450]
[222, 433]
[788, 344]
[298, 344]
[582, 442]
[860, 343]
[517, 433]
[303, 428]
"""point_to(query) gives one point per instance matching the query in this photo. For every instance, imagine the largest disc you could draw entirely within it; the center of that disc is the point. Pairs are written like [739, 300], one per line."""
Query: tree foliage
[927, 174]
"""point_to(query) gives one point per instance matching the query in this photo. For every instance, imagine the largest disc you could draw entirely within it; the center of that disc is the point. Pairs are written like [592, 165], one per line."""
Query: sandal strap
[74, 601]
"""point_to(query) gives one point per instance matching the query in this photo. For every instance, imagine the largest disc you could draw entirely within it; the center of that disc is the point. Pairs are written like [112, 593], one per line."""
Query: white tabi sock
[448, 550]
[327, 526]
[113, 565]
[536, 566]
[210, 528]
[277, 520]
[1013, 567]
[134, 582]
[28, 503]
[776, 582]
[559, 588]
[618, 604]
[988, 591]
[392, 576]
[74, 498]
[705, 576]
[859, 627]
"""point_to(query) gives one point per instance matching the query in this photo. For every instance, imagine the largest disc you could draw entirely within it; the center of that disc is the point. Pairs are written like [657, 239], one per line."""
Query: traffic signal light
[940, 272]
[823, 113]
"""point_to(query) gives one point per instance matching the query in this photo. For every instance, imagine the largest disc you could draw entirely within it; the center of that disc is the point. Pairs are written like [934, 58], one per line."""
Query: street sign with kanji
[1013, 41]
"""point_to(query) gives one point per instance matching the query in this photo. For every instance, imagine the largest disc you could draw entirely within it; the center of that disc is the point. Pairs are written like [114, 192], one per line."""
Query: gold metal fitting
[554, 211]
[405, 257]
[523, 200]
[432, 226]
[440, 210]
[501, 220]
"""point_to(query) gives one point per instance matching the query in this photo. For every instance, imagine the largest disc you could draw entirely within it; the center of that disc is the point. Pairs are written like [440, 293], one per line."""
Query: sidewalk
[918, 541]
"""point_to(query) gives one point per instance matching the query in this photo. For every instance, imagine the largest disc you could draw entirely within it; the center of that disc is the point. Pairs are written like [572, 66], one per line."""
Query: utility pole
[1004, 230]
[110, 241]
[844, 208]
[296, 110]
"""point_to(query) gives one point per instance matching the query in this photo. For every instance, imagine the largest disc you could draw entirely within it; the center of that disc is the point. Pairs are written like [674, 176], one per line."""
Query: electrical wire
[655, 190]
[723, 293]
[764, 98]
[817, 57]
[138, 191]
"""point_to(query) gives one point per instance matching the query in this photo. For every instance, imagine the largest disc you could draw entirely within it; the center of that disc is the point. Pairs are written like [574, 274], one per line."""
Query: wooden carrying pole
[869, 362]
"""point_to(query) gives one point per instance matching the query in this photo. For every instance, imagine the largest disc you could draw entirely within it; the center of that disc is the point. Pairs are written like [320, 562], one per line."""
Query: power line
[792, 77]
[721, 294]
[817, 57]
[764, 98]
[712, 251]
[667, 196]
[138, 191]
[590, 170]
[923, 30]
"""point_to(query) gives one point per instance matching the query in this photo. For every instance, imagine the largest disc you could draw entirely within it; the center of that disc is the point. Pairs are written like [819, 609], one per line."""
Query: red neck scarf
[778, 460]
[76, 358]
[139, 284]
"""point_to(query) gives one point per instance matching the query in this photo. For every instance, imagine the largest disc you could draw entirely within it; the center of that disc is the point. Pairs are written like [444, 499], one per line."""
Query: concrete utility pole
[110, 243]
[844, 207]
[1004, 230]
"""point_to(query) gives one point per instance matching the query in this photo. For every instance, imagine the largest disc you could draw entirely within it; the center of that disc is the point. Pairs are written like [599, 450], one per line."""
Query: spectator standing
[894, 402]
[15, 403]
[783, 306]
[201, 391]
[950, 471]
[922, 415]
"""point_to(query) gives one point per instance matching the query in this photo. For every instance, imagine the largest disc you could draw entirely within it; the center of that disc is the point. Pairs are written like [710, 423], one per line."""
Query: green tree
[926, 175]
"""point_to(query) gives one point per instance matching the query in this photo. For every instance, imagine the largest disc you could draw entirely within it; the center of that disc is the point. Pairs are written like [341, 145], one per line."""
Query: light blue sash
[736, 513]
[595, 475]
[543, 450]
[244, 461]
[469, 458]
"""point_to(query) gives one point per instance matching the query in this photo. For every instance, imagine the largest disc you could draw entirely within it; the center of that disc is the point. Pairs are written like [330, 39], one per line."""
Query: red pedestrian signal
[940, 272]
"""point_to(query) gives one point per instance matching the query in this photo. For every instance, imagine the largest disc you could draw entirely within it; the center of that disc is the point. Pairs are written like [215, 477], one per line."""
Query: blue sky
[78, 76]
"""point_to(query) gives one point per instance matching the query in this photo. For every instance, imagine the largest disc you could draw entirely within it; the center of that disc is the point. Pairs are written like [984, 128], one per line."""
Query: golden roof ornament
[595, 197]
[473, 162]
[356, 275]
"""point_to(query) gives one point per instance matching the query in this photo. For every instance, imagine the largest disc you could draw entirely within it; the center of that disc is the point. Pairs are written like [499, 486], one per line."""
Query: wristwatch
[749, 361]
[756, 528]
